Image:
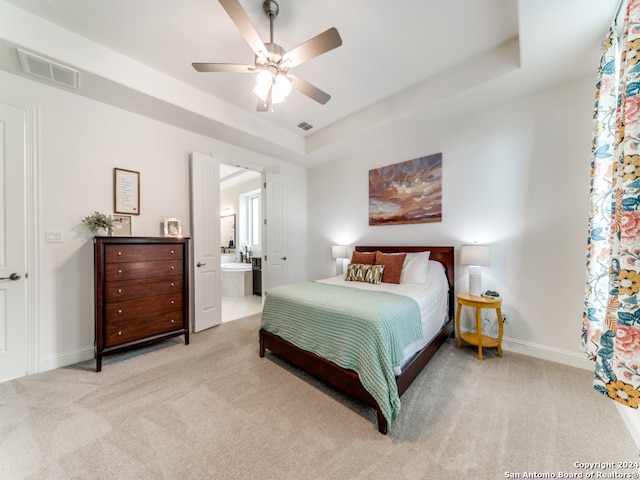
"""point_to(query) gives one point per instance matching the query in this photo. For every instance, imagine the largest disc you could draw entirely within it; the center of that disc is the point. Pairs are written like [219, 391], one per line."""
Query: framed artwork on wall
[126, 191]
[406, 192]
[121, 225]
[172, 227]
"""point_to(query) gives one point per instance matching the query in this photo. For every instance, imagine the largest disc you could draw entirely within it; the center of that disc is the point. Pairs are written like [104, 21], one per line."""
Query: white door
[14, 356]
[205, 239]
[274, 267]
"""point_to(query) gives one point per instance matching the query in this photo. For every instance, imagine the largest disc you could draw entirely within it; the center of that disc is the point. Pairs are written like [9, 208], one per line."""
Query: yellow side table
[477, 338]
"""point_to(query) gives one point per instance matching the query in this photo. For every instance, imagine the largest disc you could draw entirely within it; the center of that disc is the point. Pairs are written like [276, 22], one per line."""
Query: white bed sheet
[432, 297]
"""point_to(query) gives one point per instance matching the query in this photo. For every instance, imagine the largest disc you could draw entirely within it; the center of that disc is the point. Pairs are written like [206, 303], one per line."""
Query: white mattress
[432, 298]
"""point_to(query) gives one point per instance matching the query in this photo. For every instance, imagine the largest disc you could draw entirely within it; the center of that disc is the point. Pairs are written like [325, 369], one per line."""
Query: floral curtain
[611, 323]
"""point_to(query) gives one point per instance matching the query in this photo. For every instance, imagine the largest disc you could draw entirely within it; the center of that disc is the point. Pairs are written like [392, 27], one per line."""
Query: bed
[291, 312]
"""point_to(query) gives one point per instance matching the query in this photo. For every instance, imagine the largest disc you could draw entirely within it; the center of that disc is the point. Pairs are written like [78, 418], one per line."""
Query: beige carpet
[215, 410]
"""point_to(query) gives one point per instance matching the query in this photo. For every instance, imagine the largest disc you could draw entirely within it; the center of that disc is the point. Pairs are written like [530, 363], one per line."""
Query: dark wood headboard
[444, 255]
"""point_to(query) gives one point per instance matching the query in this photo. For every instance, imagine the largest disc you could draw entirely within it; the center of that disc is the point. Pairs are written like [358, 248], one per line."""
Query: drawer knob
[119, 272]
[119, 290]
[119, 333]
[173, 321]
[172, 302]
[173, 284]
[171, 252]
[119, 254]
[120, 312]
[173, 267]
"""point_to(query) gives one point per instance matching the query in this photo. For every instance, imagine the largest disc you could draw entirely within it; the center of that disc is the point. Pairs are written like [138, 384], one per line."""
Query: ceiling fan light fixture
[278, 85]
[280, 89]
[263, 85]
[261, 91]
[273, 61]
[264, 78]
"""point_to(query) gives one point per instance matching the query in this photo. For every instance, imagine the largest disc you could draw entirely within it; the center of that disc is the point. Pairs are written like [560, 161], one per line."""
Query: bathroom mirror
[228, 231]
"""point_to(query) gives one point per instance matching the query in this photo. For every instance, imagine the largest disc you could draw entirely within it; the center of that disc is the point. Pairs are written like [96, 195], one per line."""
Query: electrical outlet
[504, 317]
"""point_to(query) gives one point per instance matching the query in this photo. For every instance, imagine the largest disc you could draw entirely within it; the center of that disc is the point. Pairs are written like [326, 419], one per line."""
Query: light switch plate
[53, 236]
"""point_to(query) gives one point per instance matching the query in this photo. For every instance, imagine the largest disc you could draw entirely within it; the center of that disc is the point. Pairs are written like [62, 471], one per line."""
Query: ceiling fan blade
[223, 67]
[240, 18]
[309, 90]
[326, 41]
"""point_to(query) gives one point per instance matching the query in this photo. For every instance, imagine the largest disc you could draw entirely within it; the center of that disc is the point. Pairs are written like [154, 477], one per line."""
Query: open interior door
[205, 231]
[274, 267]
[14, 335]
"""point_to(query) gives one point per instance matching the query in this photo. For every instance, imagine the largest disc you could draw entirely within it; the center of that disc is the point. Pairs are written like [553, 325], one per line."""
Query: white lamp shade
[475, 255]
[280, 89]
[338, 251]
[261, 92]
[263, 85]
[278, 85]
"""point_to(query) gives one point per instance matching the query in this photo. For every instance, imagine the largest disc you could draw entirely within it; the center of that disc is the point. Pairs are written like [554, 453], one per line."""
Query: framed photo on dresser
[172, 228]
[121, 225]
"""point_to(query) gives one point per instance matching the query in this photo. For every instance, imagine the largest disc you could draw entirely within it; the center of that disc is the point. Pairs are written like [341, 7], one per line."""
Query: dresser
[141, 292]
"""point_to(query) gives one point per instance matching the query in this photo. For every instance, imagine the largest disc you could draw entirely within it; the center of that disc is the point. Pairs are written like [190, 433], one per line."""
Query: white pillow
[414, 269]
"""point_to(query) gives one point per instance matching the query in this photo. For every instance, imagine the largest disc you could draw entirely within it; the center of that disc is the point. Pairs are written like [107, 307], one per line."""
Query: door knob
[200, 264]
[13, 276]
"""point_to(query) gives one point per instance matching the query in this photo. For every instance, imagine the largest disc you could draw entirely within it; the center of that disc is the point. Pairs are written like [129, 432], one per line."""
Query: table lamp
[475, 256]
[339, 252]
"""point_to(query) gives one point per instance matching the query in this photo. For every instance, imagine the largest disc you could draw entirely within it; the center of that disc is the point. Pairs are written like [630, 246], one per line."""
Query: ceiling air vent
[305, 126]
[48, 70]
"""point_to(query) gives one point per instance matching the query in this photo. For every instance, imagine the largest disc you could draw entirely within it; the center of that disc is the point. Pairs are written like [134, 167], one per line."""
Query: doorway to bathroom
[240, 239]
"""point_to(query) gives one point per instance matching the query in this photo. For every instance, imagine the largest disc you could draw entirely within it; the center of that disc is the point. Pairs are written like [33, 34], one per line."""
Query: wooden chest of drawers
[141, 292]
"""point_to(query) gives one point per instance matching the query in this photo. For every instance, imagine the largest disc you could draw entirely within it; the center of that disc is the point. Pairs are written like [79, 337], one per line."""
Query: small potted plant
[99, 223]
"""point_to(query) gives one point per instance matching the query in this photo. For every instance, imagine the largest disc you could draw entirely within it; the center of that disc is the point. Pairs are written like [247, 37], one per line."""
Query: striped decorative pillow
[358, 272]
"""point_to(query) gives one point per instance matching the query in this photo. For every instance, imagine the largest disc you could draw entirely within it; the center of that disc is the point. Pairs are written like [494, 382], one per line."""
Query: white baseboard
[631, 417]
[65, 360]
[547, 353]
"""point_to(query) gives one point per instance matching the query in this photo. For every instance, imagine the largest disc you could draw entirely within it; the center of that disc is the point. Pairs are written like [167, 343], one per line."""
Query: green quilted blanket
[360, 330]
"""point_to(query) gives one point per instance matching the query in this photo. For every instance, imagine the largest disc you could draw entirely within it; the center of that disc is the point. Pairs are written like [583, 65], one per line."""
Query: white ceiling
[400, 63]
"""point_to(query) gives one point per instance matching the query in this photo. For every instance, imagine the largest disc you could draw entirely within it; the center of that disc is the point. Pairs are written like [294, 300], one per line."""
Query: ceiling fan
[274, 82]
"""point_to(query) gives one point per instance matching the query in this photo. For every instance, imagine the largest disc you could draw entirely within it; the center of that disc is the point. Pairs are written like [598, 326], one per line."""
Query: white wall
[515, 176]
[80, 142]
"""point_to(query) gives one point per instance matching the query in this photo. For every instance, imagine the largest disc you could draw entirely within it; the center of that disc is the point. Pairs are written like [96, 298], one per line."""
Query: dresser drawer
[141, 253]
[146, 287]
[117, 333]
[131, 271]
[142, 308]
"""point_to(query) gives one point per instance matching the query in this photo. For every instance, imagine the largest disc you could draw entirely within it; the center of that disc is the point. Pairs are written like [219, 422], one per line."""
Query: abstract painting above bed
[406, 192]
